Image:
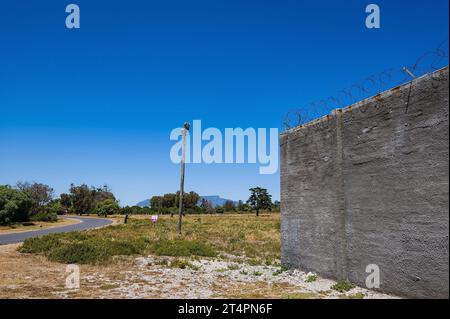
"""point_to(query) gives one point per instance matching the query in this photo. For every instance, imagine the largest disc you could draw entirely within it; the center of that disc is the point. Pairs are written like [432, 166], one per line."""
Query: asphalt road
[86, 223]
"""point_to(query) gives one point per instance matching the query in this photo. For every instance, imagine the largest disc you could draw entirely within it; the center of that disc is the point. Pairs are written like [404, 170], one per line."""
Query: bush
[37, 245]
[183, 248]
[81, 248]
[44, 217]
[183, 264]
[343, 286]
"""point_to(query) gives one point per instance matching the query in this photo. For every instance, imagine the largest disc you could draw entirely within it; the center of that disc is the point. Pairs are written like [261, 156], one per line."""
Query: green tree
[107, 207]
[156, 203]
[66, 201]
[242, 207]
[15, 205]
[55, 208]
[229, 206]
[169, 200]
[39, 193]
[276, 206]
[259, 199]
[127, 210]
[100, 194]
[190, 200]
[206, 206]
[82, 199]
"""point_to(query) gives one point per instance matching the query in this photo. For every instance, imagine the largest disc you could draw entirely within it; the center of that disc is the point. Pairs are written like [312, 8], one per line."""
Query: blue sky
[96, 105]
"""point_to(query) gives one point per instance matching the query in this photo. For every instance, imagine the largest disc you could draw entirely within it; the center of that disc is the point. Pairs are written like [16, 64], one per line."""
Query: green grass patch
[233, 267]
[343, 286]
[183, 264]
[311, 278]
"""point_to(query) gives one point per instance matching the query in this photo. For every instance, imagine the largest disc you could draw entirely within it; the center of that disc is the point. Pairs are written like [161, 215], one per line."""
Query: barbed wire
[372, 85]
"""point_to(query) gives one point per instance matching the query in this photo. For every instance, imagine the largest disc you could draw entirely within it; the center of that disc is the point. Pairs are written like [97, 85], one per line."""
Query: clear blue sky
[96, 105]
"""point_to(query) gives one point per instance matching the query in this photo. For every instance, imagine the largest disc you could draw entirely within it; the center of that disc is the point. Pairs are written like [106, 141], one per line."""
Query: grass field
[255, 238]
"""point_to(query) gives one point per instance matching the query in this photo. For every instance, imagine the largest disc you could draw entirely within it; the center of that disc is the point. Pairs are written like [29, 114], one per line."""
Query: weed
[183, 264]
[233, 267]
[221, 270]
[280, 271]
[343, 286]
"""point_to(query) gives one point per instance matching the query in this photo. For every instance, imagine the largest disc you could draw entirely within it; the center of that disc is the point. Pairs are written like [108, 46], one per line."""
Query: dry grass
[257, 238]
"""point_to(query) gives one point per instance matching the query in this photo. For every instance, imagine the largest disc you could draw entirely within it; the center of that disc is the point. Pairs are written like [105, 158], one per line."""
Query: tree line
[27, 201]
[193, 203]
[36, 202]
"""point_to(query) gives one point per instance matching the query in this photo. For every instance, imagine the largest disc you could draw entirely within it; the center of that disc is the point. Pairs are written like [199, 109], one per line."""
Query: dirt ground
[33, 276]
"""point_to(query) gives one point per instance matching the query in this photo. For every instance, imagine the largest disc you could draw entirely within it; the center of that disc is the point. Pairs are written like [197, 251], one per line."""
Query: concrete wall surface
[369, 184]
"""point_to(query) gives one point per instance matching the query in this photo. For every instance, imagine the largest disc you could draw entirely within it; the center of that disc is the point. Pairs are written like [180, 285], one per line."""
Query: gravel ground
[32, 276]
[204, 273]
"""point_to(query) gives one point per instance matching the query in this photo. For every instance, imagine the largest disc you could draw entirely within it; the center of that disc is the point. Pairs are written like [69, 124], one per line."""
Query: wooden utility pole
[184, 131]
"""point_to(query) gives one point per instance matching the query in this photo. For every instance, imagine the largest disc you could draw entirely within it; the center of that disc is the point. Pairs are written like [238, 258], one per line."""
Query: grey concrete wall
[369, 184]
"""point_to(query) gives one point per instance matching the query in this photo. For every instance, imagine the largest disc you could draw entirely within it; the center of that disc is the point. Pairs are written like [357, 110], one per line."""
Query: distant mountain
[144, 203]
[215, 200]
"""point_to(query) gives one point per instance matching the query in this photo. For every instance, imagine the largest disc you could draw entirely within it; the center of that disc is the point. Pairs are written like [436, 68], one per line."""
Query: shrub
[343, 286]
[81, 248]
[82, 253]
[311, 278]
[44, 217]
[40, 244]
[93, 251]
[183, 264]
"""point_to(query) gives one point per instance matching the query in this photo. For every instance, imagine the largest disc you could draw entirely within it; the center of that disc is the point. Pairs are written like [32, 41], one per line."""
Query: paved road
[86, 223]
